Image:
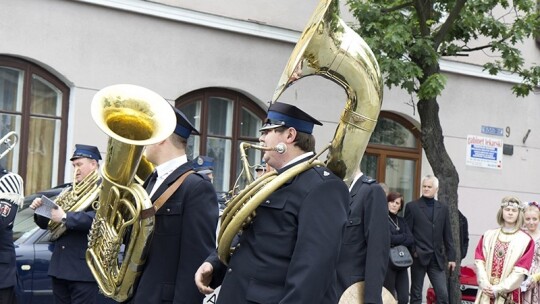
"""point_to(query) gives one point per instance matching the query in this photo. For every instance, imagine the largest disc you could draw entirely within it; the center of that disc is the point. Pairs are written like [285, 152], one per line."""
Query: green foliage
[410, 37]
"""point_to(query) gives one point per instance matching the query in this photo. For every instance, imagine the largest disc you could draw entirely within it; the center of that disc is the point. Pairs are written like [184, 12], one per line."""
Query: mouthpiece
[280, 148]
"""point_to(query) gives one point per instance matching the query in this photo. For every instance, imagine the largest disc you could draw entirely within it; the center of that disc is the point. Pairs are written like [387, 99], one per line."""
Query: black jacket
[184, 235]
[289, 253]
[430, 238]
[366, 244]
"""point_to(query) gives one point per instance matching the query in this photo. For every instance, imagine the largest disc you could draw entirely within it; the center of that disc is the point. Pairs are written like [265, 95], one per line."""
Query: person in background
[288, 253]
[260, 170]
[397, 279]
[185, 225]
[204, 165]
[429, 221]
[72, 280]
[531, 287]
[366, 243]
[503, 256]
[11, 199]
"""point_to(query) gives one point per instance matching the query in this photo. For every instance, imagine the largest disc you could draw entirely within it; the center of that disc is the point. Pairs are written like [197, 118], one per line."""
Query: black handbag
[400, 257]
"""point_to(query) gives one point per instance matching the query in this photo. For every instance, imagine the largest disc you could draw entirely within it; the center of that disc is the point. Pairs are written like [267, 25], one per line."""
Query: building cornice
[262, 31]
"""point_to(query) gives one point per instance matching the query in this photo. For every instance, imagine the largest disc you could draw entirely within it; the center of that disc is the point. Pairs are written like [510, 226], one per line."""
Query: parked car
[468, 287]
[33, 250]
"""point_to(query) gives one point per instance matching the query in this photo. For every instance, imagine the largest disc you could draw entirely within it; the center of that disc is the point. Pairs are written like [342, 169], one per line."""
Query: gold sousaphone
[133, 117]
[328, 48]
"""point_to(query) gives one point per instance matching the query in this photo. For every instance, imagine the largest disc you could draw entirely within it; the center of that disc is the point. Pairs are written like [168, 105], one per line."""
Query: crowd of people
[299, 248]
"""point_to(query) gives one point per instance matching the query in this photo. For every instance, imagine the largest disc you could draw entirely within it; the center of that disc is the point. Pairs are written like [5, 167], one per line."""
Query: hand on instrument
[203, 277]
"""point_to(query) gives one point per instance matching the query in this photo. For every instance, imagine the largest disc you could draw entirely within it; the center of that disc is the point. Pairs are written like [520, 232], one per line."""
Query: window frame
[382, 152]
[240, 101]
[29, 68]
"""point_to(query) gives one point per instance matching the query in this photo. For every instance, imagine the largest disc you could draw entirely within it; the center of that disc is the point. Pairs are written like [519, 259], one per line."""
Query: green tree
[409, 37]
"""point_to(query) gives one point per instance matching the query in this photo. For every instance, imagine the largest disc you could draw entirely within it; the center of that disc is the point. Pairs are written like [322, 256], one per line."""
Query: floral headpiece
[511, 202]
[536, 204]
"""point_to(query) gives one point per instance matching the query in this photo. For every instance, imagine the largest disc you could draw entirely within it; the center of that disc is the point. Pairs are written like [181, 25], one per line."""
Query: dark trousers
[397, 282]
[74, 292]
[437, 277]
[7, 295]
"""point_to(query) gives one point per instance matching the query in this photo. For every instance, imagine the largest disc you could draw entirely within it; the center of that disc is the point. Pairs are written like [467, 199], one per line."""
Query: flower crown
[511, 202]
[536, 204]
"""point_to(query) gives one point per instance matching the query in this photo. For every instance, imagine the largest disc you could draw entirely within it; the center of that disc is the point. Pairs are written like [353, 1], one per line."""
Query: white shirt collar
[165, 169]
[299, 157]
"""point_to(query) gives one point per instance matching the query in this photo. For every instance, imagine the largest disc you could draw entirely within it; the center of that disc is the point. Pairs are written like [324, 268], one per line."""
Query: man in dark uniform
[366, 244]
[185, 229]
[289, 253]
[204, 165]
[11, 198]
[433, 251]
[72, 279]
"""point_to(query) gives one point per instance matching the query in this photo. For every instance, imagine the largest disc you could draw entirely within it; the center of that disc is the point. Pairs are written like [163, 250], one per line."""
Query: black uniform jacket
[68, 260]
[184, 235]
[289, 253]
[8, 267]
[366, 244]
[430, 237]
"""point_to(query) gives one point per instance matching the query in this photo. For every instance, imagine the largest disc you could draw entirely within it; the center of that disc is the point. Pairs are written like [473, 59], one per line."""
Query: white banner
[484, 152]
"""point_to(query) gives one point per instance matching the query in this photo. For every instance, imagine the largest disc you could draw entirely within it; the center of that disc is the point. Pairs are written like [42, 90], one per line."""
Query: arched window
[224, 118]
[394, 155]
[34, 104]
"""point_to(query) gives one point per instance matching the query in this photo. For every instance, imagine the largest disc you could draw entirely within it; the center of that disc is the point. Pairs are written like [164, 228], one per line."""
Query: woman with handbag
[397, 278]
[503, 256]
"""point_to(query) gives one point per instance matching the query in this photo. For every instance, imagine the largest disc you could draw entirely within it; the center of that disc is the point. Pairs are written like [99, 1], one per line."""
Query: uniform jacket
[366, 243]
[288, 254]
[184, 235]
[68, 260]
[430, 238]
[8, 210]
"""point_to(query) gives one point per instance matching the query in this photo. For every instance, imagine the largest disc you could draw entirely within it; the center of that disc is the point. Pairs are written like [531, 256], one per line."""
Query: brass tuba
[328, 48]
[78, 197]
[133, 117]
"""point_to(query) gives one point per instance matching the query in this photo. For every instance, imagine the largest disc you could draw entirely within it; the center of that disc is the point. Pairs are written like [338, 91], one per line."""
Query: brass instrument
[328, 48]
[133, 117]
[8, 142]
[78, 197]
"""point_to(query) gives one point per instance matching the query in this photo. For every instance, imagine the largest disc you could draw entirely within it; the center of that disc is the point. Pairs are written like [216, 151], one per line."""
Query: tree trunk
[443, 168]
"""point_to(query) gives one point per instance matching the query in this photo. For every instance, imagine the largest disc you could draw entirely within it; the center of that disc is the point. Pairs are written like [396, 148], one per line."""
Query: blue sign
[492, 130]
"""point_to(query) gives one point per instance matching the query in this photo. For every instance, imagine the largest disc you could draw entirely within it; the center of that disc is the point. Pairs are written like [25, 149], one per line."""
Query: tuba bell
[133, 117]
[327, 48]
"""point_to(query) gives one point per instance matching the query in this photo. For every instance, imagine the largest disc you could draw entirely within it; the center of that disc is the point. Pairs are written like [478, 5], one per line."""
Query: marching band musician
[11, 199]
[289, 252]
[185, 225]
[72, 280]
[366, 241]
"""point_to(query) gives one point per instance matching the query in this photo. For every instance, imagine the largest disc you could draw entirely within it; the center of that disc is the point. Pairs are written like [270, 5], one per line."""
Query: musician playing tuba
[288, 254]
[186, 215]
[72, 280]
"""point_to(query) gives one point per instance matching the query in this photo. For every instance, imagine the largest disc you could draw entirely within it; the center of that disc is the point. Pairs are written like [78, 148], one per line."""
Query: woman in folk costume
[503, 256]
[531, 286]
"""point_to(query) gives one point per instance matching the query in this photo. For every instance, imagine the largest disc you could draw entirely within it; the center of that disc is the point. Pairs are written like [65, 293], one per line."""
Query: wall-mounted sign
[491, 130]
[484, 152]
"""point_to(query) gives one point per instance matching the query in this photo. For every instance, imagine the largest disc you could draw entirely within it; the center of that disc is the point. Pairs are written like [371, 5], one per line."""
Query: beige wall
[91, 46]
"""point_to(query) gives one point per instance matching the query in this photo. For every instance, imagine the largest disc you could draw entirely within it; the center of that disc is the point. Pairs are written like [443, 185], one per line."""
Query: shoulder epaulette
[367, 179]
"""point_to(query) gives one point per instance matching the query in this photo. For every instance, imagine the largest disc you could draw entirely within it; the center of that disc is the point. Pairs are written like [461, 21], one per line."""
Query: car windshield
[24, 223]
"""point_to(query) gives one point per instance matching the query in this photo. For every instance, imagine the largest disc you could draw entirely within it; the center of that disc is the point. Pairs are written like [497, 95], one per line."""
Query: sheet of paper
[46, 207]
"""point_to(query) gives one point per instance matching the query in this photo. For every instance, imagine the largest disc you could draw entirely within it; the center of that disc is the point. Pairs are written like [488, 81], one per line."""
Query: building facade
[220, 64]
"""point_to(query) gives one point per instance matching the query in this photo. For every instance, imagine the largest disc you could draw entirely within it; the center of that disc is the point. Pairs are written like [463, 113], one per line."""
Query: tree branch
[396, 8]
[447, 25]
